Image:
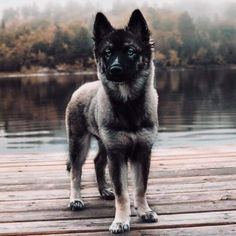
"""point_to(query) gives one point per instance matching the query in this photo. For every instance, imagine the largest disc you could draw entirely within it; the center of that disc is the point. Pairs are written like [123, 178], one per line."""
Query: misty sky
[190, 5]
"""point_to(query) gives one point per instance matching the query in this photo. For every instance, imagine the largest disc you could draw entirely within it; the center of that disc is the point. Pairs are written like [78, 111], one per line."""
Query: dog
[120, 111]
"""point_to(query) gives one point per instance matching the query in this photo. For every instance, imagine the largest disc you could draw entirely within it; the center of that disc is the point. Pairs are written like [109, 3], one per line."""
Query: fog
[196, 8]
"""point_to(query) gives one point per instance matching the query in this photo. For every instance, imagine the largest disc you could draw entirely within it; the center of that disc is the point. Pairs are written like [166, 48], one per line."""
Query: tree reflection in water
[191, 102]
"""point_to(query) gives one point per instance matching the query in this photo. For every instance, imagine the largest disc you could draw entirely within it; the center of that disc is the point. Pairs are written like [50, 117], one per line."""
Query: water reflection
[197, 99]
[194, 106]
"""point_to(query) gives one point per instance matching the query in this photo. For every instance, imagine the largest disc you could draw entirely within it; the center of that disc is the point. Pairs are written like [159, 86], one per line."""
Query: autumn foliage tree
[58, 36]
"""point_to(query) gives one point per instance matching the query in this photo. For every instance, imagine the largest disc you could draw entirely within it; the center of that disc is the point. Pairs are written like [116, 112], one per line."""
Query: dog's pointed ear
[138, 25]
[101, 27]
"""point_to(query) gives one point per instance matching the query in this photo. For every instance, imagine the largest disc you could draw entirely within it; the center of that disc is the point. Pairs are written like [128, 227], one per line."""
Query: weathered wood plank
[160, 168]
[227, 230]
[153, 184]
[163, 159]
[155, 173]
[58, 210]
[160, 154]
[165, 221]
[155, 163]
[88, 177]
[92, 192]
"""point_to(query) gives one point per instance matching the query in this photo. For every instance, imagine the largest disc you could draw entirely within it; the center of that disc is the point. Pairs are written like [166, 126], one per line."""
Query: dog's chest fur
[130, 116]
[123, 123]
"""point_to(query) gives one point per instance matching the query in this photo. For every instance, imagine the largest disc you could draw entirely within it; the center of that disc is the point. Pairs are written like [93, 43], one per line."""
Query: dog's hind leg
[78, 149]
[140, 165]
[100, 162]
[79, 143]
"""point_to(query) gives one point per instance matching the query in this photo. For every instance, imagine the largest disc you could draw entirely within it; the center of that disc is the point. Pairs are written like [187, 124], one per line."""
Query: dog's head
[121, 54]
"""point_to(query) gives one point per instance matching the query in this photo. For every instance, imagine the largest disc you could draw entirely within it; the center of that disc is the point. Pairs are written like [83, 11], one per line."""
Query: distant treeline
[60, 36]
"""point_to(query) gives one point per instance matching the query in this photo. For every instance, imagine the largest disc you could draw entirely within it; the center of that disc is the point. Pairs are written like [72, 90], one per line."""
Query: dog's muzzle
[116, 73]
[116, 70]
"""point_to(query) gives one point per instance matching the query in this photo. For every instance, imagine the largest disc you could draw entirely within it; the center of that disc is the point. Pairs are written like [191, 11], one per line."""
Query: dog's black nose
[116, 70]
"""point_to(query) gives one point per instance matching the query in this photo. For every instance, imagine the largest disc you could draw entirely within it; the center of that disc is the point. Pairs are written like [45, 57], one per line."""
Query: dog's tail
[68, 166]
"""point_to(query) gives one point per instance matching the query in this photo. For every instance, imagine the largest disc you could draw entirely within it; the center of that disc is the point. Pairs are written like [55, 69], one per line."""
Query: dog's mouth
[118, 79]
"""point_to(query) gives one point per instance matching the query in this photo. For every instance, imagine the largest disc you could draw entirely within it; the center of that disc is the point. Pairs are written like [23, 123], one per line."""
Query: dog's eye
[131, 52]
[108, 52]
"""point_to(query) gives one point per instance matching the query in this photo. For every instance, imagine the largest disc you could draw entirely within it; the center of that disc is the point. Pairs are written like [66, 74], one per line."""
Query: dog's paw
[118, 227]
[107, 194]
[77, 205]
[149, 217]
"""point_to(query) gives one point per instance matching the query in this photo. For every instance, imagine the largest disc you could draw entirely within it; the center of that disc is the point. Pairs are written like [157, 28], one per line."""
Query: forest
[60, 37]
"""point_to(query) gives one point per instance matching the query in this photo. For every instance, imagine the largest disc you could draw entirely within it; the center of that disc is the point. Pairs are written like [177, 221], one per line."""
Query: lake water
[197, 108]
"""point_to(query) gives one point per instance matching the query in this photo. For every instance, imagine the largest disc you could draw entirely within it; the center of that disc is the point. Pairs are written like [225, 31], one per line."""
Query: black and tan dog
[120, 110]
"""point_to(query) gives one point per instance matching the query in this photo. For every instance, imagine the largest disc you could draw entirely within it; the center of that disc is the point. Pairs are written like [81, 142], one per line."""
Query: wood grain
[193, 190]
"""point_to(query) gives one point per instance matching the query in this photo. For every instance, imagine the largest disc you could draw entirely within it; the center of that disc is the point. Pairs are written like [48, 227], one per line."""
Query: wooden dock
[193, 190]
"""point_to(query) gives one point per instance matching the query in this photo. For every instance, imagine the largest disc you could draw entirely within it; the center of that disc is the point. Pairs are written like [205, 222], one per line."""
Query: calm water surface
[197, 108]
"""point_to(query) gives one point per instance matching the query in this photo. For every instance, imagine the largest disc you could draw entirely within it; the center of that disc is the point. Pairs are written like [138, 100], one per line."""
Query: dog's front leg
[140, 165]
[118, 173]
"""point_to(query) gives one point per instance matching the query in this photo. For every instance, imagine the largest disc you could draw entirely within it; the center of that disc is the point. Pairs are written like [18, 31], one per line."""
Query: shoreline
[92, 72]
[43, 74]
[197, 67]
